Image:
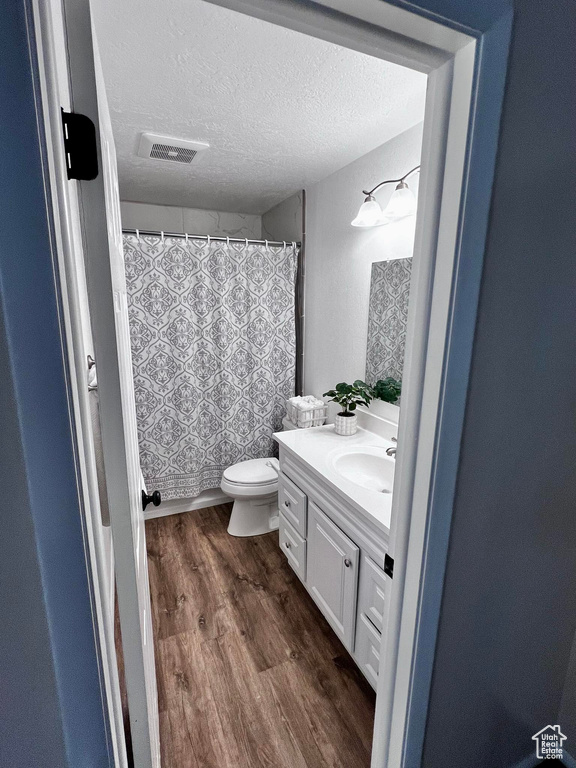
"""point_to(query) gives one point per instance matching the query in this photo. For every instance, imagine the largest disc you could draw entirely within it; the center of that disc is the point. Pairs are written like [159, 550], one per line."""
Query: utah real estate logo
[549, 743]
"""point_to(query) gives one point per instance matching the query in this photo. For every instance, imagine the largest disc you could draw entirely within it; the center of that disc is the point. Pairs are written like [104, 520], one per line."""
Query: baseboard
[208, 498]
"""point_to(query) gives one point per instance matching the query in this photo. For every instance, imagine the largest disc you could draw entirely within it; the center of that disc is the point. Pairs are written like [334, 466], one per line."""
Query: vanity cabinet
[332, 573]
[338, 558]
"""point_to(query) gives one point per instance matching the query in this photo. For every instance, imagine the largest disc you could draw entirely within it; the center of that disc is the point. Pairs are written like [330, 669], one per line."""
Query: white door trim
[466, 60]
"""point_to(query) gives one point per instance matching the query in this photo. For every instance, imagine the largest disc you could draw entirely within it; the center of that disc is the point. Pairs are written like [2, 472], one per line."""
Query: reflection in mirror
[387, 319]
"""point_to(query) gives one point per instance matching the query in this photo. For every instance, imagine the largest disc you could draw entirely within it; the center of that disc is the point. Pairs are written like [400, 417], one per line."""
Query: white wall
[339, 258]
[284, 221]
[192, 220]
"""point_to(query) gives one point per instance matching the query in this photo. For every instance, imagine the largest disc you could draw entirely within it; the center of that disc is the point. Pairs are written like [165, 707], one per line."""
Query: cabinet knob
[287, 504]
[347, 562]
[287, 544]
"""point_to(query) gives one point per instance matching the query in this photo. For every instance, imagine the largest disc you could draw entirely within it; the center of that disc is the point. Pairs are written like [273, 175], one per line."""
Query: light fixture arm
[390, 181]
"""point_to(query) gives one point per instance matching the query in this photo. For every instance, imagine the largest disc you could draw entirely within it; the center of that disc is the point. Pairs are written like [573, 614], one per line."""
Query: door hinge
[389, 566]
[80, 146]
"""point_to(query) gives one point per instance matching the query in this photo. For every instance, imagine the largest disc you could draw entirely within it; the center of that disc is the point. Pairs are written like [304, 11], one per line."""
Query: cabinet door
[332, 573]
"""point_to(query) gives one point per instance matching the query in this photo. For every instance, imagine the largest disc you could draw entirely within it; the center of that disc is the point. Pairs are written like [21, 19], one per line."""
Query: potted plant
[387, 389]
[348, 396]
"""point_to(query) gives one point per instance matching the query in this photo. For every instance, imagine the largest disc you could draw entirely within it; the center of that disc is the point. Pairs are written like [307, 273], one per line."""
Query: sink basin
[367, 466]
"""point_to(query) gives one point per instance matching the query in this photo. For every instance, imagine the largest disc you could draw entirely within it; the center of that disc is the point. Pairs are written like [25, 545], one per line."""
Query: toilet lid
[251, 472]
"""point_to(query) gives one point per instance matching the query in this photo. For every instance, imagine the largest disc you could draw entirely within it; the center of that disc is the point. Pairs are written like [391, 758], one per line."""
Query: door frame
[463, 48]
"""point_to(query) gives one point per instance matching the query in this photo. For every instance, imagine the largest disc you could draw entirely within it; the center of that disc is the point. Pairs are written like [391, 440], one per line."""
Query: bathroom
[248, 285]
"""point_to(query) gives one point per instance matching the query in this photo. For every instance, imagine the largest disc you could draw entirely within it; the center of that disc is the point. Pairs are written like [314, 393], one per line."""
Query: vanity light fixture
[401, 204]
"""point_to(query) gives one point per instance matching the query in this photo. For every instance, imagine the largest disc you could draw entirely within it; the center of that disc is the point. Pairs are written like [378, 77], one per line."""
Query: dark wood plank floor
[250, 674]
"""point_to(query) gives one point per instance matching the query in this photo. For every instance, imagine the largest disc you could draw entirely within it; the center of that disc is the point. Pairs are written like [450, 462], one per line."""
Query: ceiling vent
[167, 148]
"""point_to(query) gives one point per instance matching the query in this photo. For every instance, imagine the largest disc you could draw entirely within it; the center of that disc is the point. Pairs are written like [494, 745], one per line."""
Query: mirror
[387, 319]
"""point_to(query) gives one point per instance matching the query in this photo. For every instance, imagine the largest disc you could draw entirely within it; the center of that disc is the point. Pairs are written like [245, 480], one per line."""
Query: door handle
[154, 498]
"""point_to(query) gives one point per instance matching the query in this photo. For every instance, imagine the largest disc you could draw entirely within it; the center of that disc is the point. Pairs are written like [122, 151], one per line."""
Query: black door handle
[154, 498]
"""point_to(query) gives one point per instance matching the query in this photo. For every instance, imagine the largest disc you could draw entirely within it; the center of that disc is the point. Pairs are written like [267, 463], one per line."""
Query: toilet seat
[253, 473]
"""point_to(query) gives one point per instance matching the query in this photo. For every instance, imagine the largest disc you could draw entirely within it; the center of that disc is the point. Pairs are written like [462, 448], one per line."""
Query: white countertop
[317, 447]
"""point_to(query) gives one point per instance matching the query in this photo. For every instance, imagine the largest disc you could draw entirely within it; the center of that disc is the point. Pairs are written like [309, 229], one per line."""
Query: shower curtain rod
[208, 237]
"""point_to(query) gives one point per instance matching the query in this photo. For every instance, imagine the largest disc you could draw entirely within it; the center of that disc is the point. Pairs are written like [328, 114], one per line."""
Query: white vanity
[335, 498]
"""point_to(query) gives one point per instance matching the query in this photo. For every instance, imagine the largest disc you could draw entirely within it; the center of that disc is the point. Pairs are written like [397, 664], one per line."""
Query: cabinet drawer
[371, 592]
[292, 503]
[293, 546]
[367, 652]
[332, 573]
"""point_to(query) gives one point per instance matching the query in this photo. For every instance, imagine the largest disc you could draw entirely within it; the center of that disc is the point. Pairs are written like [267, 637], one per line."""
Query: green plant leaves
[387, 389]
[349, 396]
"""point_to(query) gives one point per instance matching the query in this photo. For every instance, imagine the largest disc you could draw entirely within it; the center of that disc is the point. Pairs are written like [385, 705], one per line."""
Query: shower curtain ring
[228, 241]
[138, 234]
[162, 236]
[186, 236]
[246, 242]
[208, 241]
[284, 241]
[266, 244]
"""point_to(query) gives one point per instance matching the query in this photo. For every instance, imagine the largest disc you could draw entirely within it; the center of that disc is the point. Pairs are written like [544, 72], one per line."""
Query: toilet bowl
[253, 485]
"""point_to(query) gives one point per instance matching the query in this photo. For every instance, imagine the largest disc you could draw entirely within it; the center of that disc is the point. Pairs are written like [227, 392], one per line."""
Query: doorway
[432, 299]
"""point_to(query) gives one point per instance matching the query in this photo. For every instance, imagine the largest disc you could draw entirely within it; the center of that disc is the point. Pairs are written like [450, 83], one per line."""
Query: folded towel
[304, 405]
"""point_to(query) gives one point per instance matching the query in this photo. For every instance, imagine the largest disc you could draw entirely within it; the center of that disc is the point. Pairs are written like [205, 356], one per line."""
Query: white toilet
[253, 485]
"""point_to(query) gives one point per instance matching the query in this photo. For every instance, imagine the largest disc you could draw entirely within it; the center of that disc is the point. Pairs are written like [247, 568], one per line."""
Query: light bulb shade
[369, 214]
[401, 204]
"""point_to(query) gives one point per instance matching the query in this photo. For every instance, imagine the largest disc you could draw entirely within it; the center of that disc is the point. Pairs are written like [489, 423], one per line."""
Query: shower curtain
[213, 347]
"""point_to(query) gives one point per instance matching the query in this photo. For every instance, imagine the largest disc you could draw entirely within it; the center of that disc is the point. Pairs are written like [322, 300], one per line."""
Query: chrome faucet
[392, 450]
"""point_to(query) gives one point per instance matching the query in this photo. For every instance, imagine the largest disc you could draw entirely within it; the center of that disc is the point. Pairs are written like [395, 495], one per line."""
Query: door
[107, 299]
[332, 573]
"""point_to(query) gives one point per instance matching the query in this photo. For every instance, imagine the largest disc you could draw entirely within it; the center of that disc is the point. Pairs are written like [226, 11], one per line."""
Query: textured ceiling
[280, 110]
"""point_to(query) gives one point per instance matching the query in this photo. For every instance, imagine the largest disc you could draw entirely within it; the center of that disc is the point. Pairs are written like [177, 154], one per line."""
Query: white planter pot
[345, 425]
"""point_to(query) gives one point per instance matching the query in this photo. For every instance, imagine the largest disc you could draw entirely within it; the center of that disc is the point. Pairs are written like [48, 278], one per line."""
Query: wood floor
[249, 672]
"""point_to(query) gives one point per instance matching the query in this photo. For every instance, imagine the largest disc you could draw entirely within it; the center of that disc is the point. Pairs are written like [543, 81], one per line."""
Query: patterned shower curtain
[213, 348]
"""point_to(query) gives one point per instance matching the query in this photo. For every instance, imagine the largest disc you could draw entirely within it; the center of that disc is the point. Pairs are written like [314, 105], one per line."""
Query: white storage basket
[315, 417]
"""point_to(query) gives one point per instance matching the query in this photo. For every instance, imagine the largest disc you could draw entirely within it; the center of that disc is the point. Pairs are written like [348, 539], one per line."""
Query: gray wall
[50, 697]
[509, 607]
